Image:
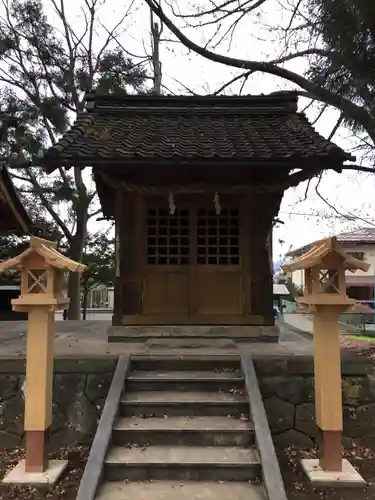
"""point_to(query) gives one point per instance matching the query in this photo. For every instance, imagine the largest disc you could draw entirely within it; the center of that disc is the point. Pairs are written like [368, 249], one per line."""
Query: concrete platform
[89, 338]
[348, 477]
[18, 475]
[175, 490]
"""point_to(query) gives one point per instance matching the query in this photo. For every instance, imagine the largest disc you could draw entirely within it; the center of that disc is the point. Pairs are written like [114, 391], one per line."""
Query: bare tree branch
[280, 60]
[221, 12]
[349, 108]
[336, 127]
[55, 216]
[350, 217]
[93, 214]
[185, 87]
[233, 80]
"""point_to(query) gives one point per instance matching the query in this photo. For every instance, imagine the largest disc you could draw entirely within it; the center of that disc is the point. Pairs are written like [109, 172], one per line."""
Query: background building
[361, 244]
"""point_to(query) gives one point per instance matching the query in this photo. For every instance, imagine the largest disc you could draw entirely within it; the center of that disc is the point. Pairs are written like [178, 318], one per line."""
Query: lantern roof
[48, 251]
[320, 251]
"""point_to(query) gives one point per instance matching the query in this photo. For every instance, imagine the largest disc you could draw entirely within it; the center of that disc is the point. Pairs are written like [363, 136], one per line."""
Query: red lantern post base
[36, 455]
[330, 458]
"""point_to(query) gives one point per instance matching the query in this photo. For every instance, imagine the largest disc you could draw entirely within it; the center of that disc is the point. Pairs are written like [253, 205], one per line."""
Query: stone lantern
[42, 269]
[325, 298]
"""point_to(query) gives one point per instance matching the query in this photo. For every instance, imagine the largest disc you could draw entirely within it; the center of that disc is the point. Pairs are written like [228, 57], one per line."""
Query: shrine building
[194, 184]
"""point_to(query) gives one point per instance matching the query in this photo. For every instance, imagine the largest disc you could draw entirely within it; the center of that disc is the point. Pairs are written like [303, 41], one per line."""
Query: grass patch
[360, 337]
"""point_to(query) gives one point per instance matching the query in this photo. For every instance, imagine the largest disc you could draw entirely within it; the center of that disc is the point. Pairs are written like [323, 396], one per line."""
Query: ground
[296, 483]
[298, 487]
[65, 489]
[89, 337]
[362, 347]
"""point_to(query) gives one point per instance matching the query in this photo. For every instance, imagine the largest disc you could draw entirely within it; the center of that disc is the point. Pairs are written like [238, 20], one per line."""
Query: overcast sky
[304, 220]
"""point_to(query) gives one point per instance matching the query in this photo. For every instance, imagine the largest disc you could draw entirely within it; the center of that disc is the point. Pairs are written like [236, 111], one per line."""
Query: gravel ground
[298, 486]
[296, 482]
[65, 489]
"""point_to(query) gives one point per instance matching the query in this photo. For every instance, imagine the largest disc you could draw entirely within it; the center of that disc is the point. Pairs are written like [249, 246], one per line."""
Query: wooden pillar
[328, 398]
[130, 254]
[262, 209]
[117, 299]
[261, 299]
[39, 380]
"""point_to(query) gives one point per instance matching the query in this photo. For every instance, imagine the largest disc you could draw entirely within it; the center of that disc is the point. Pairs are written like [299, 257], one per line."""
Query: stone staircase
[183, 431]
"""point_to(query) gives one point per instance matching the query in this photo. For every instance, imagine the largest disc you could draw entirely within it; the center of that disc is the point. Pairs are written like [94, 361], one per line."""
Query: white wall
[111, 296]
[298, 278]
[369, 251]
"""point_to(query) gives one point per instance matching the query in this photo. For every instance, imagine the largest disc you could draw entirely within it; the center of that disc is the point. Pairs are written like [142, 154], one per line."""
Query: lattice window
[329, 281]
[37, 280]
[218, 237]
[168, 237]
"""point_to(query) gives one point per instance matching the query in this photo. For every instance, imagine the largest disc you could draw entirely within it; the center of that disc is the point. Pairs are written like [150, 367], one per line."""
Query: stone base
[348, 477]
[235, 333]
[18, 475]
[190, 343]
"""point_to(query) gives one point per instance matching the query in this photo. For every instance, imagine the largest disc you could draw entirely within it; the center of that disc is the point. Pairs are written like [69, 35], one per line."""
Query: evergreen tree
[346, 30]
[44, 73]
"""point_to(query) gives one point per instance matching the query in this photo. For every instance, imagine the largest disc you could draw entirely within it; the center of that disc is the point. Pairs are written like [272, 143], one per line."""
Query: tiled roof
[151, 128]
[362, 236]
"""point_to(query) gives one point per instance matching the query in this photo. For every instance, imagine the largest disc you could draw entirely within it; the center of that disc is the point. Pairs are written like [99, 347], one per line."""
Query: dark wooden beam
[262, 211]
[130, 255]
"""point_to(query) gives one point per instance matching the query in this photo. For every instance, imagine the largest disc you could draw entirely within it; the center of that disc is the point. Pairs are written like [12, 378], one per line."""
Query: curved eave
[55, 159]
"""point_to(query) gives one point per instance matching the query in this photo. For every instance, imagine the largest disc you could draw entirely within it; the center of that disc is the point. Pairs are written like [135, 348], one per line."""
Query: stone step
[185, 431]
[192, 380]
[176, 403]
[182, 463]
[130, 333]
[172, 490]
[217, 363]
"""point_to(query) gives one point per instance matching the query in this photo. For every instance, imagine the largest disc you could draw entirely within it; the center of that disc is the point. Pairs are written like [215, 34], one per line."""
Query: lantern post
[43, 284]
[325, 298]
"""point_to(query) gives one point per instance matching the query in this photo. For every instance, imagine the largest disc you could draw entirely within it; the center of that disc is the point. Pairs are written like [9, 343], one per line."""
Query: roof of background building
[361, 236]
[150, 128]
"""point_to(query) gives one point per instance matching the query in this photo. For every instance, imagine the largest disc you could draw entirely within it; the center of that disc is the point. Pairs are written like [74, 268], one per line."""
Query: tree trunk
[84, 302]
[155, 43]
[76, 253]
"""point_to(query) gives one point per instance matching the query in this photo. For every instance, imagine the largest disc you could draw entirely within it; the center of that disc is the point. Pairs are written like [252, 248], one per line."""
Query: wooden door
[217, 275]
[193, 270]
[166, 281]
